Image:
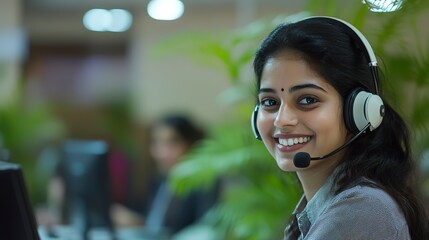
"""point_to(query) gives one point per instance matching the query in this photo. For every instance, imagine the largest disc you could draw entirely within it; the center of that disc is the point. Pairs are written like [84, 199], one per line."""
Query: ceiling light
[121, 20]
[102, 20]
[165, 9]
[383, 5]
[97, 20]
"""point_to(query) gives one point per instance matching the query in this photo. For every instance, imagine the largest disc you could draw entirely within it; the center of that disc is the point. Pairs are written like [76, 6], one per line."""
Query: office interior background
[60, 79]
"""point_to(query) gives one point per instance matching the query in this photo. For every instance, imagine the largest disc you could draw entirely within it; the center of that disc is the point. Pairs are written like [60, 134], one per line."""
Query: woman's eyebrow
[266, 90]
[302, 86]
[292, 89]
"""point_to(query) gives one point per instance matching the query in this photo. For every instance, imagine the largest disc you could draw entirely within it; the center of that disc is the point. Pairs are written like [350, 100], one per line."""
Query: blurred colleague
[165, 213]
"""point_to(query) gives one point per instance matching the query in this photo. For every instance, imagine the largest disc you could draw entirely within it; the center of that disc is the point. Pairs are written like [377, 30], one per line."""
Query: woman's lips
[291, 143]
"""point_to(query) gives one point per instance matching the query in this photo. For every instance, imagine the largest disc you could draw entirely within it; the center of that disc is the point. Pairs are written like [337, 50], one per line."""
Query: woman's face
[299, 112]
[167, 147]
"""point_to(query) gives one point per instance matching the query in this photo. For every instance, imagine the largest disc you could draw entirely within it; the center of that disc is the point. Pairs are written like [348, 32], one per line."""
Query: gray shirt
[360, 212]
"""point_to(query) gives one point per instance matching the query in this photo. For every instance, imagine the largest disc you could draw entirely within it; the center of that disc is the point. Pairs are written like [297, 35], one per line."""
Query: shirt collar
[308, 212]
[319, 201]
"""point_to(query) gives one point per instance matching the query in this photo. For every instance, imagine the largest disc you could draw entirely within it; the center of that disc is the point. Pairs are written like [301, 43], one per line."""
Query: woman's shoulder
[368, 195]
[365, 191]
[368, 200]
[361, 212]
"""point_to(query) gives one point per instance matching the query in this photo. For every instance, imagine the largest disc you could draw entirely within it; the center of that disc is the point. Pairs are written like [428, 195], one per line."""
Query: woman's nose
[286, 116]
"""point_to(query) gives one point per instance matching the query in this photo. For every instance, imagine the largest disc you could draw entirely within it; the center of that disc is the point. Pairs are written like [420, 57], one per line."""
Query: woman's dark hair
[383, 155]
[183, 125]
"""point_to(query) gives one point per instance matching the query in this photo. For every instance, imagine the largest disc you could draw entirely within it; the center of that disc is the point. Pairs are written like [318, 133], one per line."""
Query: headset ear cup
[374, 111]
[253, 122]
[361, 108]
[349, 119]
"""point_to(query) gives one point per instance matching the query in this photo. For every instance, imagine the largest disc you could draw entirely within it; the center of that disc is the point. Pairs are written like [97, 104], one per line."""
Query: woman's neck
[312, 179]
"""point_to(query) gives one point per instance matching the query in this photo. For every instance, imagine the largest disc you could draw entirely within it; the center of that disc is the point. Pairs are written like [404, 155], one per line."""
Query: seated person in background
[171, 138]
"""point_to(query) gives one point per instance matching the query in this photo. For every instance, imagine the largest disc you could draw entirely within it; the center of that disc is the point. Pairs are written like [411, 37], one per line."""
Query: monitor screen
[17, 220]
[87, 185]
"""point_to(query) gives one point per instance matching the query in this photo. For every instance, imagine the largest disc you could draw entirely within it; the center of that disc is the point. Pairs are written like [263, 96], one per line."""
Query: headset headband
[371, 55]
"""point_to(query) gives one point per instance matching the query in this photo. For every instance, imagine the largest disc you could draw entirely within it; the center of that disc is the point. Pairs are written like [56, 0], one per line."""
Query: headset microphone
[302, 159]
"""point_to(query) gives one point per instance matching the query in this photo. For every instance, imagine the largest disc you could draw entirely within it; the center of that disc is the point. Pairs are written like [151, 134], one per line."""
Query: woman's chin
[286, 165]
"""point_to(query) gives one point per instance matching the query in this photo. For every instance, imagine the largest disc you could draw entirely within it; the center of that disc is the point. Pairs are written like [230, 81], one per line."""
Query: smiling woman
[318, 95]
[308, 100]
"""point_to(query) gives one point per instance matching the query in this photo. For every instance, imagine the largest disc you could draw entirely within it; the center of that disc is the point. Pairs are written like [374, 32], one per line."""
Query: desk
[63, 232]
[199, 231]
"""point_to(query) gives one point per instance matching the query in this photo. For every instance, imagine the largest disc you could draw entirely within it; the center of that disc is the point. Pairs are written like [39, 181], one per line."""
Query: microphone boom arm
[345, 145]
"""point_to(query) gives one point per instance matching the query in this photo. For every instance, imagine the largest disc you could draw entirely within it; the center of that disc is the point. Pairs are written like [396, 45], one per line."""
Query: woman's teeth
[292, 141]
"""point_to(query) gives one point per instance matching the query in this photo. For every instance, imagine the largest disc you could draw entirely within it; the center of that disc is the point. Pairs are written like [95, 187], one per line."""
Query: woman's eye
[268, 102]
[308, 101]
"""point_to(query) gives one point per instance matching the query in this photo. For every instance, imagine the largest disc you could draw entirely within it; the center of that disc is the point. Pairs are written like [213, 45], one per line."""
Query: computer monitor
[87, 185]
[17, 220]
